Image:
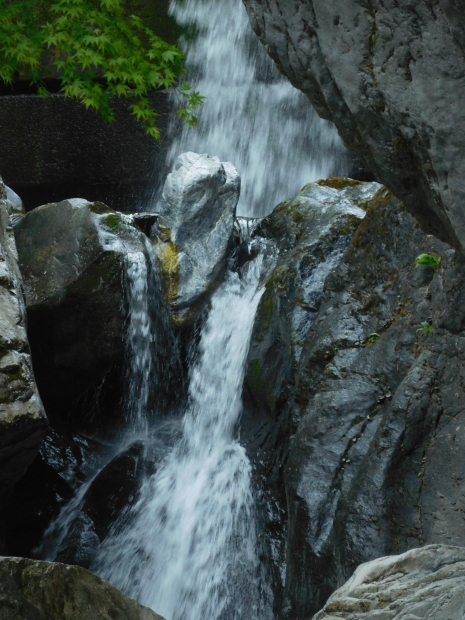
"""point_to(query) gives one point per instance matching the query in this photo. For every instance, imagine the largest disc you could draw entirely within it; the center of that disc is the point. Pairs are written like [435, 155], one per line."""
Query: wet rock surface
[72, 257]
[374, 465]
[426, 583]
[195, 229]
[389, 75]
[34, 590]
[311, 232]
[22, 417]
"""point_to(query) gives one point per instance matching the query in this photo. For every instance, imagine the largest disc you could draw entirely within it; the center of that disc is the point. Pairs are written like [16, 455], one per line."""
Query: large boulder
[374, 465]
[311, 232]
[73, 258]
[22, 417]
[426, 583]
[195, 229]
[34, 590]
[391, 76]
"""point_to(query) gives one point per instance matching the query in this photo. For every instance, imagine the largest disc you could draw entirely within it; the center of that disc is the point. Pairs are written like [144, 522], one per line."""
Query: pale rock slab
[426, 584]
[195, 228]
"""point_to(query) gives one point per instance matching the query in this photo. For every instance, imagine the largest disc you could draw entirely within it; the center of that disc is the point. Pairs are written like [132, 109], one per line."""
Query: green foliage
[372, 337]
[425, 327]
[428, 259]
[98, 52]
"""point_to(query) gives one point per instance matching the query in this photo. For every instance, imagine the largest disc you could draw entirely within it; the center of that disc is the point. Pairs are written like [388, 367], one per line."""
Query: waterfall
[146, 328]
[187, 549]
[139, 355]
[251, 115]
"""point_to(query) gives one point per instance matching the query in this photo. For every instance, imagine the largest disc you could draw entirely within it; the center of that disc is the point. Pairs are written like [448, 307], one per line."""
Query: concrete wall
[52, 148]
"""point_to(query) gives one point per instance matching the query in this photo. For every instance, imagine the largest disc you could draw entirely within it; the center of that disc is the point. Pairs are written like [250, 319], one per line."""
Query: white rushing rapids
[251, 115]
[187, 549]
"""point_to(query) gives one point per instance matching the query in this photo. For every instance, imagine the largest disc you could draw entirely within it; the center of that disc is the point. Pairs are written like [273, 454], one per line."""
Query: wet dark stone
[114, 489]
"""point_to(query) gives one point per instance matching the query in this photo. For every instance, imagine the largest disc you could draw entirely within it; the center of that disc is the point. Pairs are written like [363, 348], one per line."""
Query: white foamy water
[138, 344]
[187, 549]
[252, 115]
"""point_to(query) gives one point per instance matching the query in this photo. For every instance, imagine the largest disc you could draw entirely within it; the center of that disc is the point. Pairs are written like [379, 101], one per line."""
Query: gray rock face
[390, 75]
[33, 590]
[195, 229]
[72, 257]
[22, 417]
[374, 466]
[426, 583]
[311, 232]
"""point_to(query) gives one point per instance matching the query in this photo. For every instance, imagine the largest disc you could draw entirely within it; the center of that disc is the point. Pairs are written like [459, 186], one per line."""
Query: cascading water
[142, 377]
[138, 342]
[251, 115]
[187, 548]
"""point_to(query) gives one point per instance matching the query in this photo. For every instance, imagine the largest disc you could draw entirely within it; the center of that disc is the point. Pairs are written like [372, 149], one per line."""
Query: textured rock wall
[22, 417]
[391, 75]
[311, 232]
[374, 467]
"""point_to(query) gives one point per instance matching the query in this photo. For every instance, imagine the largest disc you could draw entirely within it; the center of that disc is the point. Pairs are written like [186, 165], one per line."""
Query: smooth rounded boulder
[35, 590]
[73, 258]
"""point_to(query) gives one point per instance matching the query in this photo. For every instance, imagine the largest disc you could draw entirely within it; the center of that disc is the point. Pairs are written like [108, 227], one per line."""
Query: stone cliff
[391, 76]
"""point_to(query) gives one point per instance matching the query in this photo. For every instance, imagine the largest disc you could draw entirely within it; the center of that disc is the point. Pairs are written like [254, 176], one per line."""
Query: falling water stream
[187, 549]
[252, 115]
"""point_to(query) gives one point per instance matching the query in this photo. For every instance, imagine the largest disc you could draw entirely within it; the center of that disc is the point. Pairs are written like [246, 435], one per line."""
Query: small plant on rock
[425, 327]
[372, 337]
[430, 260]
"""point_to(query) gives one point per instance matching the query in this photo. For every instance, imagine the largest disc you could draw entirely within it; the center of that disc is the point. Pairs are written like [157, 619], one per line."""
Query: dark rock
[374, 465]
[81, 542]
[389, 75]
[34, 590]
[311, 232]
[145, 221]
[72, 257]
[64, 463]
[114, 489]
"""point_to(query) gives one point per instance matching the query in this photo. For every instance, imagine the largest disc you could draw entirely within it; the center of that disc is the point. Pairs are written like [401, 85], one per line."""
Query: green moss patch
[113, 221]
[339, 183]
[14, 372]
